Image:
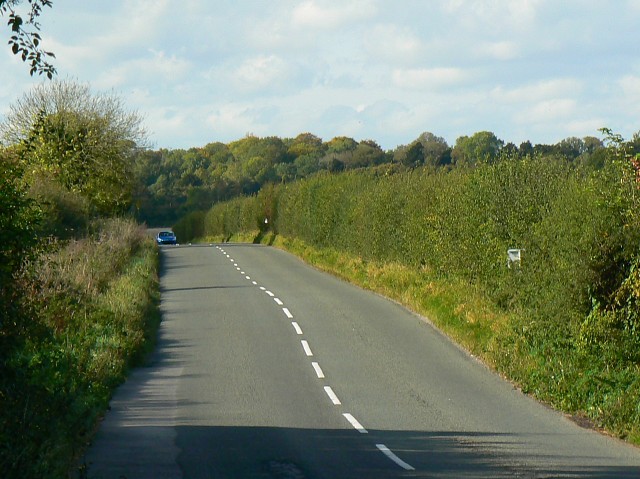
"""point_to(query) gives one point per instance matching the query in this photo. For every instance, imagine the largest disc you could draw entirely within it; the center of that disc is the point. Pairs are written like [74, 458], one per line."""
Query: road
[267, 368]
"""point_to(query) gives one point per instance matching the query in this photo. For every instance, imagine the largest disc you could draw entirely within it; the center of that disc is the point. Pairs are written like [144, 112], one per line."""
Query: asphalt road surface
[267, 368]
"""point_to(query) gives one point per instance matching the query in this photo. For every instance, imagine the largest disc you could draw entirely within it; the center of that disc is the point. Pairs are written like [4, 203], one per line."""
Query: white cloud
[232, 120]
[156, 68]
[427, 78]
[394, 44]
[331, 14]
[503, 50]
[544, 90]
[512, 14]
[552, 111]
[631, 86]
[261, 73]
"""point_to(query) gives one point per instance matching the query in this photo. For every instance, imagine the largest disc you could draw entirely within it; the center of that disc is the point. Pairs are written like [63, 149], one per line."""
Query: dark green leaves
[25, 40]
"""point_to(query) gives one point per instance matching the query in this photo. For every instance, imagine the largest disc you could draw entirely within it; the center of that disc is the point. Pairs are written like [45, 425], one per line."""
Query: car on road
[166, 237]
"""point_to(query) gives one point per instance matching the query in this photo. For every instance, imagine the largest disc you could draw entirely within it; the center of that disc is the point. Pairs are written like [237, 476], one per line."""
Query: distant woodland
[172, 182]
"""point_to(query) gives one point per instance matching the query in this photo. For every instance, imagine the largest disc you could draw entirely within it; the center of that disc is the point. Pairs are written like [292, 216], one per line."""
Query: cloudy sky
[200, 71]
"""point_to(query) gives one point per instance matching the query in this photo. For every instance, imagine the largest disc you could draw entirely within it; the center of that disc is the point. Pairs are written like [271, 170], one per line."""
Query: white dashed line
[248, 277]
[270, 293]
[356, 425]
[278, 302]
[262, 288]
[318, 370]
[307, 349]
[287, 313]
[385, 450]
[297, 327]
[255, 283]
[332, 396]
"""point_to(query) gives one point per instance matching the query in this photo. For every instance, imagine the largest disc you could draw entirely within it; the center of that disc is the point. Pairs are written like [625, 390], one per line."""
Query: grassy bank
[89, 311]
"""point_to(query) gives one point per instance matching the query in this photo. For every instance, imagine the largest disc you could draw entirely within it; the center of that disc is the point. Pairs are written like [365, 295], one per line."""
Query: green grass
[90, 312]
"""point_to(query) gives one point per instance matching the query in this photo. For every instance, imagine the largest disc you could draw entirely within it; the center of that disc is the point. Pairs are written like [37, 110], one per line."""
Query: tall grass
[89, 309]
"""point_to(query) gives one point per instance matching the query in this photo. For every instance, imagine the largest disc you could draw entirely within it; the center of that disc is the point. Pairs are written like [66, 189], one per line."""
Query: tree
[414, 155]
[25, 39]
[85, 142]
[435, 150]
[367, 153]
[305, 144]
[525, 149]
[481, 147]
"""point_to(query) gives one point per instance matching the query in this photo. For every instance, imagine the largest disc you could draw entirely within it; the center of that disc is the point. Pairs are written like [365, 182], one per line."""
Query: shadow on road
[287, 453]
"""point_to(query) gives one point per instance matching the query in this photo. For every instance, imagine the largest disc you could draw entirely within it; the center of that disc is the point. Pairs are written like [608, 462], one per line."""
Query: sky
[201, 71]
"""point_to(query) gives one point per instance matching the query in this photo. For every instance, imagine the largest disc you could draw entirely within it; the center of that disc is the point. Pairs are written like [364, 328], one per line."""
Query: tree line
[172, 182]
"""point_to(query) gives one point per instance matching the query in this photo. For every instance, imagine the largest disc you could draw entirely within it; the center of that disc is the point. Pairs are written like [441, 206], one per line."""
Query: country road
[267, 368]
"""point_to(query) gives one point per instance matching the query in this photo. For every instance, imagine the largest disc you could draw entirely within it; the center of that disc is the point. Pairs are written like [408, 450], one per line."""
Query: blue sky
[201, 71]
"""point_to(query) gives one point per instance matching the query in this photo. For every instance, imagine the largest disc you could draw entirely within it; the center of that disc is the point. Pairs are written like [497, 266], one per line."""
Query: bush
[92, 305]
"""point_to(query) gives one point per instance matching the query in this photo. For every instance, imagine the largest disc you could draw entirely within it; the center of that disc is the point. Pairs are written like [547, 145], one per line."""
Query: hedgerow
[88, 309]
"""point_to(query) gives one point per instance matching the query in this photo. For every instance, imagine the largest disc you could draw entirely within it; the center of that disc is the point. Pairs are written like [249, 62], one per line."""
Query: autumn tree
[83, 141]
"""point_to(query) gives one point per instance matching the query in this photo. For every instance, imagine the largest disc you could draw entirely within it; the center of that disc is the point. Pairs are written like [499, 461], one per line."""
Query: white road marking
[278, 302]
[248, 277]
[354, 422]
[385, 450]
[262, 288]
[318, 370]
[238, 269]
[235, 264]
[270, 293]
[255, 283]
[307, 349]
[332, 395]
[296, 326]
[287, 313]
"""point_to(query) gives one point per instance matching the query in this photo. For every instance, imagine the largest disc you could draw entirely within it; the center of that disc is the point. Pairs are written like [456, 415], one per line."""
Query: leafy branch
[25, 39]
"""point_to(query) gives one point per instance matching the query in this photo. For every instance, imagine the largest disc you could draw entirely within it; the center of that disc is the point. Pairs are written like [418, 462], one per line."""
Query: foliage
[18, 218]
[89, 307]
[84, 141]
[25, 41]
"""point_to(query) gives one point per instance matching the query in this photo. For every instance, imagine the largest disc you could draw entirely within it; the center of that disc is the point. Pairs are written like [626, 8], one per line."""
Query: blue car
[166, 237]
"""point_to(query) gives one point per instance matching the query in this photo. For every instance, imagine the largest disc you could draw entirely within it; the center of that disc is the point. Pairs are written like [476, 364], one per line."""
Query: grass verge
[90, 313]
